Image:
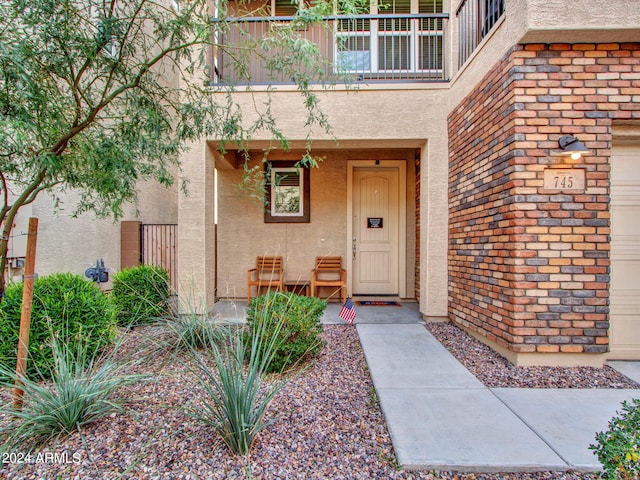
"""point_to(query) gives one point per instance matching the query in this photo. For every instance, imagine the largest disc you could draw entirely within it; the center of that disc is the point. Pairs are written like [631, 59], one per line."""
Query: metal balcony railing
[363, 48]
[476, 18]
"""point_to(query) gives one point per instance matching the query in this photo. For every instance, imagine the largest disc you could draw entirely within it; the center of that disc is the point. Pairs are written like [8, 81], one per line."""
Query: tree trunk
[7, 227]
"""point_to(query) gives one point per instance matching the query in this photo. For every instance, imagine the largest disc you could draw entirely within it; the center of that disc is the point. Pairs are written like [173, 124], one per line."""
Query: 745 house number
[564, 179]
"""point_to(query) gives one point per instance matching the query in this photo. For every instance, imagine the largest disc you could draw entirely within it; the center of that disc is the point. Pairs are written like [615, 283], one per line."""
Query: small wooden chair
[268, 273]
[329, 273]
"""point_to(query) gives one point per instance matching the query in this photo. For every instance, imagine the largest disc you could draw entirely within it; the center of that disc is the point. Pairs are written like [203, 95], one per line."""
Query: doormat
[377, 303]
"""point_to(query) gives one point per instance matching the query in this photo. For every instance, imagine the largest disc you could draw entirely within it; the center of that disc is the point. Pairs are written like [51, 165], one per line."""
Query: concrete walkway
[441, 417]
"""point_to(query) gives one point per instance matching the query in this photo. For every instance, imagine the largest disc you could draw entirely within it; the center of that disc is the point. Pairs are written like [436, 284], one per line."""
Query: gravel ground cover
[327, 424]
[495, 371]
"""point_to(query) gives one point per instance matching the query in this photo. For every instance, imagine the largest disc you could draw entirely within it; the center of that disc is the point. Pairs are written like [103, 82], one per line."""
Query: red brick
[526, 256]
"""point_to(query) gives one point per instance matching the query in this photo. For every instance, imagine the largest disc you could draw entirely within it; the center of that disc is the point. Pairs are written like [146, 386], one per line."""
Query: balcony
[363, 48]
[476, 18]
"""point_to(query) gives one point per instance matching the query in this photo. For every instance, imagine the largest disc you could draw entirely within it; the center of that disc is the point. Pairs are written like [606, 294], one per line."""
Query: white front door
[624, 332]
[375, 231]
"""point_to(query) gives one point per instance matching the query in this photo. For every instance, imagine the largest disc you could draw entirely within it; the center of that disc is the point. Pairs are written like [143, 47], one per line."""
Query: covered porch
[230, 231]
[359, 205]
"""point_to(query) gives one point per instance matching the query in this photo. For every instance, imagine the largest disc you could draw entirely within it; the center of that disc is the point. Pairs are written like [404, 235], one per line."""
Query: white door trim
[401, 165]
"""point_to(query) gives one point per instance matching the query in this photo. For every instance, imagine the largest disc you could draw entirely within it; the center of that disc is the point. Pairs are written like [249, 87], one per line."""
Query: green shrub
[299, 336]
[141, 294]
[80, 392]
[71, 307]
[618, 449]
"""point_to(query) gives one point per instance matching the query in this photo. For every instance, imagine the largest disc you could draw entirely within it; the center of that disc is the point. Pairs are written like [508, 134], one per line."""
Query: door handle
[354, 248]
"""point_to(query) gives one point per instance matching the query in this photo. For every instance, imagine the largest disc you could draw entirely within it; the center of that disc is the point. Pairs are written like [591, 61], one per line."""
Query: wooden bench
[329, 273]
[268, 273]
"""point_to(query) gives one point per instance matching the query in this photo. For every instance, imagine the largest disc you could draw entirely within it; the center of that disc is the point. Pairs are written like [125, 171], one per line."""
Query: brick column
[529, 269]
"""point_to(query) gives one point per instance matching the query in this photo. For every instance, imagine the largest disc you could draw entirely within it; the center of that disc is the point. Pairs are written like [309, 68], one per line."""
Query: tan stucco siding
[369, 120]
[68, 244]
[243, 235]
[196, 230]
[542, 21]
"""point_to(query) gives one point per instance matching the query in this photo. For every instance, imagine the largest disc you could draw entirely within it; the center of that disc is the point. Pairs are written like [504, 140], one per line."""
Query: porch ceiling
[234, 158]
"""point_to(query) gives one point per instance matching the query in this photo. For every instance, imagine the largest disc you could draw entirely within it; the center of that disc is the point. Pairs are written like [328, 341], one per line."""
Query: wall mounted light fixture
[571, 147]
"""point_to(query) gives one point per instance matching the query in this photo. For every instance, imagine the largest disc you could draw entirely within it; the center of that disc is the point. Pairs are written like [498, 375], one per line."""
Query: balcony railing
[364, 48]
[476, 18]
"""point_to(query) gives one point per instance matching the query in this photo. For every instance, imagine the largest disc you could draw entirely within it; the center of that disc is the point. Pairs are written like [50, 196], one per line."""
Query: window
[284, 8]
[287, 8]
[288, 193]
[354, 52]
[392, 44]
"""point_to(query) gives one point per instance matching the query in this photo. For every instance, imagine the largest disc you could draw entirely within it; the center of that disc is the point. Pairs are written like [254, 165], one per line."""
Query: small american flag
[348, 312]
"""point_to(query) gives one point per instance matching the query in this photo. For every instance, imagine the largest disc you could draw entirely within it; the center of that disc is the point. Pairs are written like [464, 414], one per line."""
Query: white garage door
[625, 251]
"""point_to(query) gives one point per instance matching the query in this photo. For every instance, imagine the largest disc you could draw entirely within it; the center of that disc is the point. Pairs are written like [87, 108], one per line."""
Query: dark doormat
[377, 303]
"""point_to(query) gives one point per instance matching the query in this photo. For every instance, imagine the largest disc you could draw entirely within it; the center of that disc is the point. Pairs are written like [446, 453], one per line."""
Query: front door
[375, 231]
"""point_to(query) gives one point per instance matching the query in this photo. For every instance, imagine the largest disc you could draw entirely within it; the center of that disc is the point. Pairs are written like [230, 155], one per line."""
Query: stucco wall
[242, 234]
[68, 244]
[578, 21]
[542, 21]
[381, 119]
[196, 230]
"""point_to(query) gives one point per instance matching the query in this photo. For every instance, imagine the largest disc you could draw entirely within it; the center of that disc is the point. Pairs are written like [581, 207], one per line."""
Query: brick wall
[528, 268]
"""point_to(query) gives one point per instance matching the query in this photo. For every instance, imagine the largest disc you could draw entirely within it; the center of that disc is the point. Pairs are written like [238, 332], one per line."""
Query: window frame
[305, 179]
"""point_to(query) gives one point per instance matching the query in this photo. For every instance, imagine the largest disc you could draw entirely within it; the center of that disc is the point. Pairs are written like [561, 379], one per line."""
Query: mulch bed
[327, 424]
[495, 371]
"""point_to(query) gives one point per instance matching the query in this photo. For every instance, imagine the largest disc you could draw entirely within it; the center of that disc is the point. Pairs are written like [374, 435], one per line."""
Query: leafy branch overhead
[84, 98]
[99, 95]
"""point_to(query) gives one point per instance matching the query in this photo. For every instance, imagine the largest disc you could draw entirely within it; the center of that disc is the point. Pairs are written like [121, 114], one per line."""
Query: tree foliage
[99, 95]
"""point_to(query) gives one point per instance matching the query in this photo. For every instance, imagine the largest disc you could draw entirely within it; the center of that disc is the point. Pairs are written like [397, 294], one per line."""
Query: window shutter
[395, 6]
[394, 52]
[431, 54]
[287, 179]
[429, 6]
[286, 8]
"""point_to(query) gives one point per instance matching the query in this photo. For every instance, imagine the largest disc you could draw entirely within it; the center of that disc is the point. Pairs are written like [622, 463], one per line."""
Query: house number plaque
[570, 180]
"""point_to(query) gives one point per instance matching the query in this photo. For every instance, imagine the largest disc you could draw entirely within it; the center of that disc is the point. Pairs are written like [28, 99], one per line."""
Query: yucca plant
[191, 331]
[236, 399]
[80, 391]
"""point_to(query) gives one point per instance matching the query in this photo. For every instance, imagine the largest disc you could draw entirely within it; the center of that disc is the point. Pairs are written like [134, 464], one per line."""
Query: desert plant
[618, 448]
[292, 321]
[191, 331]
[140, 294]
[70, 306]
[80, 392]
[236, 398]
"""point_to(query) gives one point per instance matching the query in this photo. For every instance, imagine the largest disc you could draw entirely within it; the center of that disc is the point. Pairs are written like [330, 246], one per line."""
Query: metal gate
[159, 246]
